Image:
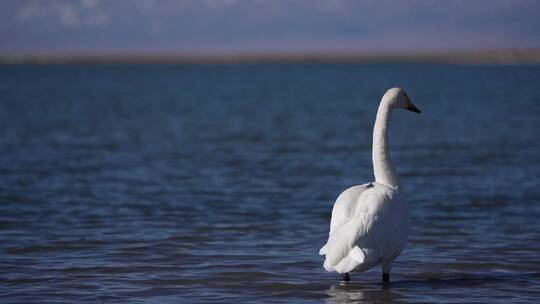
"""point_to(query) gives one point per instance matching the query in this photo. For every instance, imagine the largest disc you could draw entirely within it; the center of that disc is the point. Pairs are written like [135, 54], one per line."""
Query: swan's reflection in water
[357, 293]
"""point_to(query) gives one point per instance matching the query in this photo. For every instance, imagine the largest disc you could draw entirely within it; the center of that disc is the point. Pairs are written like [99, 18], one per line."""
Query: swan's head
[397, 98]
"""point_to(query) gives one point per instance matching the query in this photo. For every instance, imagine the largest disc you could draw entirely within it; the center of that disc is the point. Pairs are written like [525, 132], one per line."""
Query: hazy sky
[216, 26]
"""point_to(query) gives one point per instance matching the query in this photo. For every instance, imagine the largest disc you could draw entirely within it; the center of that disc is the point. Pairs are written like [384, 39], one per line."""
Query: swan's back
[369, 224]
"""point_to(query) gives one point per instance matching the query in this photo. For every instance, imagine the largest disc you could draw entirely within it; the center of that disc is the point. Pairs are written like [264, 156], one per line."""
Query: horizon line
[499, 56]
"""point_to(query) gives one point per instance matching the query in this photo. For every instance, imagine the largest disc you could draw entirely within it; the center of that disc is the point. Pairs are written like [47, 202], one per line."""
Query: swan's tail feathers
[355, 258]
[322, 251]
[328, 267]
[357, 254]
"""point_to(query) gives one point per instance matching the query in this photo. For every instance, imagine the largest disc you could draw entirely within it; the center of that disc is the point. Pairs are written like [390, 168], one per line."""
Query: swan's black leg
[386, 277]
[346, 277]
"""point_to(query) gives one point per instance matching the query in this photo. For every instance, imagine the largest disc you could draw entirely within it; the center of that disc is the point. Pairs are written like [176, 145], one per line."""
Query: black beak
[412, 108]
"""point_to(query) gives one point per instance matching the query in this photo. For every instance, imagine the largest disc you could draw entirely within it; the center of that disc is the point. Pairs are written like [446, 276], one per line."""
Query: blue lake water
[202, 184]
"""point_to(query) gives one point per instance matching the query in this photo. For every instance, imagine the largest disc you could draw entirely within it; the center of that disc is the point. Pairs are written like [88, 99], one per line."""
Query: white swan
[370, 222]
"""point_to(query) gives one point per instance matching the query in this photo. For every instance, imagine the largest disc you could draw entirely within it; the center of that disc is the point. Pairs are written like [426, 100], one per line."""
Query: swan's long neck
[382, 165]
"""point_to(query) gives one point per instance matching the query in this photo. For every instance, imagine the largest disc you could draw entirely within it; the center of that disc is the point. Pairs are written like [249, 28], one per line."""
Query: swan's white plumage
[369, 226]
[370, 222]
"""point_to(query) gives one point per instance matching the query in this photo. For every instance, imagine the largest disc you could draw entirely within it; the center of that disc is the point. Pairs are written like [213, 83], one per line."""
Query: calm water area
[215, 183]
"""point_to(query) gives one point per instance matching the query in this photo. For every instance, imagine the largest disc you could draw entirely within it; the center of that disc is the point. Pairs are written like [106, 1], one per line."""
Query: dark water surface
[181, 184]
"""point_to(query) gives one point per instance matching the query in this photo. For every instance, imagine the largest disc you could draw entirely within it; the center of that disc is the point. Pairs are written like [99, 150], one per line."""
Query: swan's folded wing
[344, 206]
[357, 230]
[343, 240]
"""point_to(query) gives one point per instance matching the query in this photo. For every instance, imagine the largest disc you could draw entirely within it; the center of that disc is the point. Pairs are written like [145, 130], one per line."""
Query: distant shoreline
[462, 57]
